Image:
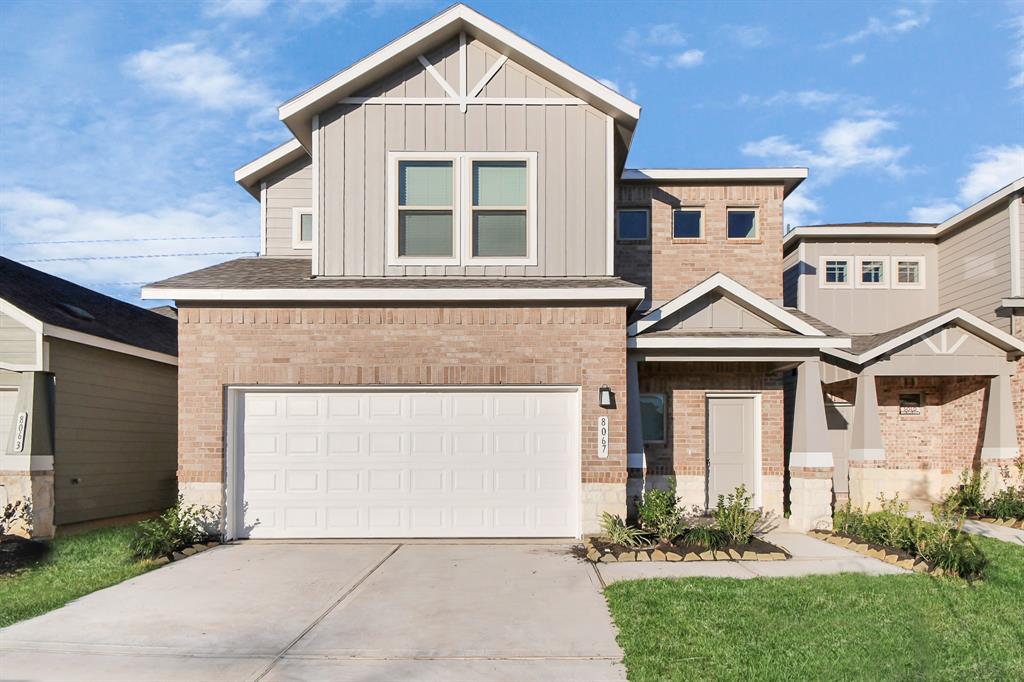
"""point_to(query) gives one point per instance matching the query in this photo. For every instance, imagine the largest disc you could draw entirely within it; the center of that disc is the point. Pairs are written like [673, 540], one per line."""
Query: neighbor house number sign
[602, 437]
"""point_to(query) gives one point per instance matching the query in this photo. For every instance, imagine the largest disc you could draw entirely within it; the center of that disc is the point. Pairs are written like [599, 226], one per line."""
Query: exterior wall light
[605, 397]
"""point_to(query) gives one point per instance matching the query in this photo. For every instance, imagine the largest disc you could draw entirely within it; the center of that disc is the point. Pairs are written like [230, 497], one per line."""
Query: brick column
[999, 447]
[867, 448]
[810, 459]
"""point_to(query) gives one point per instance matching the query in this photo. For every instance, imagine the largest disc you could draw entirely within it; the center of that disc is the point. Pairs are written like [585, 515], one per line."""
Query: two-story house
[933, 383]
[469, 319]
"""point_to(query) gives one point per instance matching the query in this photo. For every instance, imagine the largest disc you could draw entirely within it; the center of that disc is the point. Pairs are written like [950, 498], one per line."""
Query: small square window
[909, 272]
[302, 228]
[742, 223]
[687, 223]
[652, 415]
[837, 272]
[872, 272]
[633, 225]
[911, 405]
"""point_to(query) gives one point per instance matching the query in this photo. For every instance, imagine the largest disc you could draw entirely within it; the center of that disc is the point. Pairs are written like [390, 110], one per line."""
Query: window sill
[733, 240]
[689, 240]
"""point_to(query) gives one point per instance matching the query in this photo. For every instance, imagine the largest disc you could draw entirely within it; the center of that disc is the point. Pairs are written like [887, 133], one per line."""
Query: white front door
[430, 463]
[732, 446]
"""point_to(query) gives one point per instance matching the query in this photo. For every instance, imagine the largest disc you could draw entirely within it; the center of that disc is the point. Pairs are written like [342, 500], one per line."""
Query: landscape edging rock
[886, 554]
[598, 555]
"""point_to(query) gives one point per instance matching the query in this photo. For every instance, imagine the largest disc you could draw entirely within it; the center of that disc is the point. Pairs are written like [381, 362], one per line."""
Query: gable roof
[867, 347]
[297, 113]
[249, 175]
[58, 304]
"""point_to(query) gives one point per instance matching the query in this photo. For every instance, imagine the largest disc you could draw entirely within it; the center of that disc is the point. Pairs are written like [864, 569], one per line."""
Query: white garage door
[409, 464]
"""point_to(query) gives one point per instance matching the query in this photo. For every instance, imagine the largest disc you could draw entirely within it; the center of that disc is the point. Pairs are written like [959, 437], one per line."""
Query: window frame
[462, 208]
[689, 209]
[633, 240]
[859, 283]
[894, 269]
[756, 210]
[297, 242]
[664, 417]
[822, 269]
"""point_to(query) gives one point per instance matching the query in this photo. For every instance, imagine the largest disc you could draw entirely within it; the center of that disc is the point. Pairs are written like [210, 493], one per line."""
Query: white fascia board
[442, 27]
[249, 175]
[625, 294]
[21, 316]
[1012, 303]
[983, 205]
[735, 342]
[740, 293]
[107, 344]
[789, 177]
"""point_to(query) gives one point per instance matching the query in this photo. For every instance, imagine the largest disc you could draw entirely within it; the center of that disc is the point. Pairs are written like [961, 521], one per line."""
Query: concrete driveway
[320, 611]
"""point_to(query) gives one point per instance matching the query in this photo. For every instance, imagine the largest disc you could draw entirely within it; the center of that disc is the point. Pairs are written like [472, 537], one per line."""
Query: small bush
[618, 532]
[707, 537]
[16, 515]
[659, 513]
[735, 517]
[177, 528]
[968, 496]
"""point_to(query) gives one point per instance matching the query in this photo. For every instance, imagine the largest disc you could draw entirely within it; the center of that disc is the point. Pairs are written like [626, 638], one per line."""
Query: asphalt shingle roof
[61, 303]
[862, 343]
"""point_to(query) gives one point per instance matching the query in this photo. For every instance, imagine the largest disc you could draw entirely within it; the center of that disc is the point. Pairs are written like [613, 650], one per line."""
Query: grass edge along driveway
[75, 566]
[849, 626]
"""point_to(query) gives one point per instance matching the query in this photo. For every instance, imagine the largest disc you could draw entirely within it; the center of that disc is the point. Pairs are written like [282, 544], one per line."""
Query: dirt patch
[17, 553]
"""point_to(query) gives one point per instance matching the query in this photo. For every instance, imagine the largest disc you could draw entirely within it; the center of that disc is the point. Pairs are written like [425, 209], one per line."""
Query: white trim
[297, 242]
[632, 209]
[316, 197]
[823, 262]
[1016, 277]
[21, 316]
[757, 223]
[534, 101]
[688, 209]
[234, 428]
[789, 177]
[858, 273]
[609, 157]
[439, 78]
[11, 462]
[894, 262]
[1012, 302]
[397, 294]
[263, 219]
[732, 342]
[462, 71]
[107, 344]
[261, 167]
[758, 457]
[811, 460]
[801, 279]
[486, 78]
[36, 327]
[1000, 452]
[738, 292]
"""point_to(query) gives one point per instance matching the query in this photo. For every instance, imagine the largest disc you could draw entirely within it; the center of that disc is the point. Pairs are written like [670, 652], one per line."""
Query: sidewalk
[989, 530]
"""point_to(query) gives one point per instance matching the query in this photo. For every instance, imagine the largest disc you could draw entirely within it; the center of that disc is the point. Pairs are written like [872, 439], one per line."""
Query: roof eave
[789, 177]
[249, 175]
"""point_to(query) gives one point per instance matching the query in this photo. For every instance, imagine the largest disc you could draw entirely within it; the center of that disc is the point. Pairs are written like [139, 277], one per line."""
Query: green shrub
[734, 516]
[177, 528]
[619, 532]
[707, 537]
[659, 513]
[16, 516]
[969, 495]
[1006, 504]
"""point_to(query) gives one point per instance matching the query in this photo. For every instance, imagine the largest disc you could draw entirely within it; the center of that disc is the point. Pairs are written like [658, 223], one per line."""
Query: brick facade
[671, 266]
[499, 344]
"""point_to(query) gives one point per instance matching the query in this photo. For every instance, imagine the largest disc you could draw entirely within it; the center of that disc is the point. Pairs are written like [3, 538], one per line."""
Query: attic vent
[75, 311]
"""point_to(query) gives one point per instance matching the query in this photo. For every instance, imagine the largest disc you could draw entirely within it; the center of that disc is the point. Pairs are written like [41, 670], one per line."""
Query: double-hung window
[835, 272]
[908, 272]
[462, 208]
[871, 272]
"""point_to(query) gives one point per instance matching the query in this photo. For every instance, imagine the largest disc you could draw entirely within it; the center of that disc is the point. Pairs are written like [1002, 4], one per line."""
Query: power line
[155, 255]
[133, 239]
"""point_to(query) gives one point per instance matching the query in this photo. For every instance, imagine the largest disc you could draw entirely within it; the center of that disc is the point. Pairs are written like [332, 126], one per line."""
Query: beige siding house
[88, 402]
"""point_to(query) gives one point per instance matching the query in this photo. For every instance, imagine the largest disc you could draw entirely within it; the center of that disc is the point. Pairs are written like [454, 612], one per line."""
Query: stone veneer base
[605, 555]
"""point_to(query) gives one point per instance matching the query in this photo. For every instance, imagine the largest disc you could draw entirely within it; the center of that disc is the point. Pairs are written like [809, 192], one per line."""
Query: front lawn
[75, 566]
[827, 627]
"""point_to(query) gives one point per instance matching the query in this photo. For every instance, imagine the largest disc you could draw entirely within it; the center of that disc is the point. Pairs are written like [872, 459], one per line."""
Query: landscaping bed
[889, 555]
[1008, 523]
[1005, 507]
[601, 550]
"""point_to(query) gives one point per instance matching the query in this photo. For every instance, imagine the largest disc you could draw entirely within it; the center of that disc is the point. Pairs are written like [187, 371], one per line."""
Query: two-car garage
[430, 462]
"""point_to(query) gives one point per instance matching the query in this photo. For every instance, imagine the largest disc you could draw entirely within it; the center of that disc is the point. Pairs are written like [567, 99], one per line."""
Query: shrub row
[969, 496]
[179, 527]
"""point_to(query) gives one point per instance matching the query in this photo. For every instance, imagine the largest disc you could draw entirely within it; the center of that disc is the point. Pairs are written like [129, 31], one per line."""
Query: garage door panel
[441, 464]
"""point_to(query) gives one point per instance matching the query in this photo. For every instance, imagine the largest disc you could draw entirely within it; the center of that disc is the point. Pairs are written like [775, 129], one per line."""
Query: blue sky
[126, 120]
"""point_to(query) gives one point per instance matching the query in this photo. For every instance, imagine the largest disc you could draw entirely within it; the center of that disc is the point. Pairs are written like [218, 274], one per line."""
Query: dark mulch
[755, 545]
[17, 552]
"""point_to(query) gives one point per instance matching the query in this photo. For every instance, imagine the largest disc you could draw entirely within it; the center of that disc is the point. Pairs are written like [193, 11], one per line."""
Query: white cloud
[858, 58]
[993, 168]
[846, 145]
[629, 91]
[235, 9]
[898, 22]
[1017, 53]
[685, 60]
[810, 99]
[800, 208]
[749, 36]
[196, 75]
[935, 212]
[28, 215]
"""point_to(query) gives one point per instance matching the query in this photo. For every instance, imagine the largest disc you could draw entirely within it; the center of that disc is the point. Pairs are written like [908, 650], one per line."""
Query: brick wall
[670, 267]
[353, 346]
[685, 386]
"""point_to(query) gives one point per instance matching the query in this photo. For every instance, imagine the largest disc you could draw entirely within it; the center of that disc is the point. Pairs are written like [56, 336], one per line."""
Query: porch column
[999, 445]
[867, 448]
[634, 420]
[810, 457]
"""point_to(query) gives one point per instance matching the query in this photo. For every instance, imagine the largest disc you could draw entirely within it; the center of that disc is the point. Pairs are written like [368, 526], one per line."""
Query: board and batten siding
[17, 342]
[289, 188]
[116, 433]
[572, 175]
[974, 267]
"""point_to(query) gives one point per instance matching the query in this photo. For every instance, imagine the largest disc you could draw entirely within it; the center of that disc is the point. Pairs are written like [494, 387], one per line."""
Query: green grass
[848, 627]
[75, 566]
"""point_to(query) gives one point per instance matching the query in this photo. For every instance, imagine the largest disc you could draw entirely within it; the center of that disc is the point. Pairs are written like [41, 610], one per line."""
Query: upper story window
[302, 228]
[908, 271]
[742, 223]
[687, 223]
[460, 208]
[633, 224]
[871, 272]
[835, 272]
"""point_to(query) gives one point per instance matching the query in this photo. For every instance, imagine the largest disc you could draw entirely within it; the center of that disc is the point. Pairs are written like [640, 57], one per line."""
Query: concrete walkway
[810, 557]
[989, 530]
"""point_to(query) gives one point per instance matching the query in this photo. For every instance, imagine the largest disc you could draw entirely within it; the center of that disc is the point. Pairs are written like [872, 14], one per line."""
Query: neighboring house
[933, 382]
[468, 319]
[88, 401]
